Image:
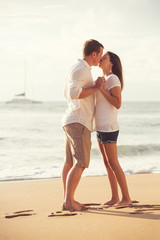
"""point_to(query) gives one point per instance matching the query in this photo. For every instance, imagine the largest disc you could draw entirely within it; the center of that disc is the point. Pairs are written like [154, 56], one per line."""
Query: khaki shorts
[78, 144]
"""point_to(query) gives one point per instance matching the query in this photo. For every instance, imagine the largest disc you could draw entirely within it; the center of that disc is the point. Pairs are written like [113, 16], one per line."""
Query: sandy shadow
[145, 211]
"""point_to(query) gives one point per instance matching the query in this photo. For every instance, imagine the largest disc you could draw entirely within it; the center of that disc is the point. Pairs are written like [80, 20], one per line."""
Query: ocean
[32, 141]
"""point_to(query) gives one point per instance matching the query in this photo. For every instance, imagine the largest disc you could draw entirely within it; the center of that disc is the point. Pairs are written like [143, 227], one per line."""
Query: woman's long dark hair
[117, 67]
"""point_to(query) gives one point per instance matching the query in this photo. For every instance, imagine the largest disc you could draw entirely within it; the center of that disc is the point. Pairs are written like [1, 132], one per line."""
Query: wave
[131, 150]
[134, 150]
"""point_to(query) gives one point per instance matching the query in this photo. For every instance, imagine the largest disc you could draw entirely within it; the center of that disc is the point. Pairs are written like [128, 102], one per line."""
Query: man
[77, 122]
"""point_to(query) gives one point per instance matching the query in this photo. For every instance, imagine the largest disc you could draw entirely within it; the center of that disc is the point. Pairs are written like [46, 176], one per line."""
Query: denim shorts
[107, 137]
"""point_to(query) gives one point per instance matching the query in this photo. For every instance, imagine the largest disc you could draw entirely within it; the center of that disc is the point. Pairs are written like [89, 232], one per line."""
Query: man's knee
[80, 166]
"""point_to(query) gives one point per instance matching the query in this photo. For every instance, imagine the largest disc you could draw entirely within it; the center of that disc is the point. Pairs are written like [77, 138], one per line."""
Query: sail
[21, 98]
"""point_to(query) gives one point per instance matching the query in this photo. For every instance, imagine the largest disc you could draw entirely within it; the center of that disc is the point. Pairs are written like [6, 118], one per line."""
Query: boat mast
[25, 76]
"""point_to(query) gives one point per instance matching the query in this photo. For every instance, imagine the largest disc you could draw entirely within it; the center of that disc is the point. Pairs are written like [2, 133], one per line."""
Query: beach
[31, 210]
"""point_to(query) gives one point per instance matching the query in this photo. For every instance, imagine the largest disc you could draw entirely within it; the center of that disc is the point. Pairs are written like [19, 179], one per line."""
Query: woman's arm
[114, 98]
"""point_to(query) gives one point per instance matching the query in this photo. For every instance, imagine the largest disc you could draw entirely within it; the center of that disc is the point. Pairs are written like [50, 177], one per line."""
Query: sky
[48, 35]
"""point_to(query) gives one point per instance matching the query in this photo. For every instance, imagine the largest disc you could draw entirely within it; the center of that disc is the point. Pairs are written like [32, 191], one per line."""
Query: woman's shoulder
[112, 77]
[113, 81]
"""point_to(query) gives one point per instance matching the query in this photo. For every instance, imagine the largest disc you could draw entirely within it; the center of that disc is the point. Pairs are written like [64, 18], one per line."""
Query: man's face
[98, 57]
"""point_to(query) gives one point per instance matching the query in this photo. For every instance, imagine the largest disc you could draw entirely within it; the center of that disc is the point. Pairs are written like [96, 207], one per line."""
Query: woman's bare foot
[113, 201]
[123, 202]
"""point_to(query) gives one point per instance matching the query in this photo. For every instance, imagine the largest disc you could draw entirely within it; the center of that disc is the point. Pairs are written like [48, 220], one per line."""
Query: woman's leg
[111, 152]
[111, 176]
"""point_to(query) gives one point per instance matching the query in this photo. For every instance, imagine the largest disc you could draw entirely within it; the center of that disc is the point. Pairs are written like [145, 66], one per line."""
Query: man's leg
[79, 142]
[73, 179]
[66, 168]
[67, 165]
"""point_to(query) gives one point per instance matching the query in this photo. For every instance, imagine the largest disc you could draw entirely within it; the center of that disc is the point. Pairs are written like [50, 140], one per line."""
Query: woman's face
[105, 62]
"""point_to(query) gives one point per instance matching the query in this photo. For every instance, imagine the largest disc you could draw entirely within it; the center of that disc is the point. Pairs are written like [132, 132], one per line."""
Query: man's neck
[88, 60]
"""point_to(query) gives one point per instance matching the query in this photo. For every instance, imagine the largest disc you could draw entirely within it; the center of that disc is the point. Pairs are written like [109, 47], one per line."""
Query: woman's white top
[105, 113]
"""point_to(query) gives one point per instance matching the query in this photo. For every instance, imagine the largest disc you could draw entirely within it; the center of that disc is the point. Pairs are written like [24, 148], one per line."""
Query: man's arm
[86, 92]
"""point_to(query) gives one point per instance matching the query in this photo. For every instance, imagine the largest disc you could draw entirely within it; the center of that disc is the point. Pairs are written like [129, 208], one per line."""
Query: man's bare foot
[73, 206]
[82, 205]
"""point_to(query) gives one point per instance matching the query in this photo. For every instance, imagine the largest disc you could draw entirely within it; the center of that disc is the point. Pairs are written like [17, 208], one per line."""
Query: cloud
[55, 6]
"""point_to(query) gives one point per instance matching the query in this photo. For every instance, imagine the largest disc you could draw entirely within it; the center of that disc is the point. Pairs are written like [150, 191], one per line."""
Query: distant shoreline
[63, 101]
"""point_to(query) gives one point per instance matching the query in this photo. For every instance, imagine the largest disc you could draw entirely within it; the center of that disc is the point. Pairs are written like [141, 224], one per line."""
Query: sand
[32, 211]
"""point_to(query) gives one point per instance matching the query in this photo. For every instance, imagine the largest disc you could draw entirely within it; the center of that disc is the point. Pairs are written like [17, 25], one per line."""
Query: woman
[108, 101]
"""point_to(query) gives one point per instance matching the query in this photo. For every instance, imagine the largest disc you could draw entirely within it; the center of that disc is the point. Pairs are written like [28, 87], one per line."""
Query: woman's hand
[99, 83]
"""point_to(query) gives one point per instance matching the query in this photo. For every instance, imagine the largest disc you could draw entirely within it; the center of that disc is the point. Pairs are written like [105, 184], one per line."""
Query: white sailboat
[21, 98]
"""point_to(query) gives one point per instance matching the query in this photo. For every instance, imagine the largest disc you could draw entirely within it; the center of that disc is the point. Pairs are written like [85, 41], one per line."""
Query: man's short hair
[91, 46]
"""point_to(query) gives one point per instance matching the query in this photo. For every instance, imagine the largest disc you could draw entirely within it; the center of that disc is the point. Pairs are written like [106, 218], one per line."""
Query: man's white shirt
[79, 110]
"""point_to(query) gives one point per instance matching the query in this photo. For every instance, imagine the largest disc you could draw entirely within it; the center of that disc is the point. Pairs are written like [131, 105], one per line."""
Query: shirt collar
[84, 63]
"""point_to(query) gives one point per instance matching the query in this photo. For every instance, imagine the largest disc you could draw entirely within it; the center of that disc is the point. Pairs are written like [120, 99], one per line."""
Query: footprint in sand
[61, 214]
[92, 206]
[21, 214]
